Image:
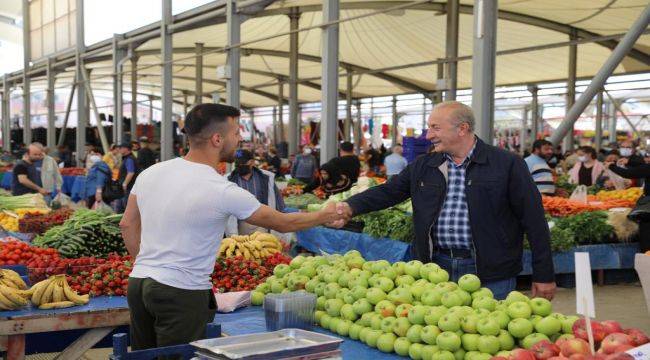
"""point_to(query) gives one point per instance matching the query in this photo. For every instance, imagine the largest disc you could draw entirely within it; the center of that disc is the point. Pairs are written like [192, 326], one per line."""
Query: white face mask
[94, 159]
[582, 158]
[626, 152]
[307, 151]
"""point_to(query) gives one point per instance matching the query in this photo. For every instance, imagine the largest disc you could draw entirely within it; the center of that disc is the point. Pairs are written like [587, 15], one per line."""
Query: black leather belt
[456, 253]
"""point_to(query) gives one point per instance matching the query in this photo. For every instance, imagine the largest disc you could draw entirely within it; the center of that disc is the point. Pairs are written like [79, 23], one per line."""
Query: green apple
[257, 298]
[354, 331]
[385, 284]
[471, 355]
[415, 351]
[426, 268]
[385, 308]
[437, 276]
[362, 306]
[449, 341]
[281, 270]
[535, 319]
[428, 351]
[375, 322]
[520, 328]
[444, 355]
[277, 286]
[358, 281]
[399, 267]
[401, 326]
[379, 265]
[451, 299]
[501, 317]
[297, 262]
[355, 263]
[325, 321]
[373, 279]
[331, 290]
[319, 290]
[332, 275]
[567, 324]
[488, 344]
[429, 334]
[469, 283]
[320, 303]
[558, 316]
[548, 326]
[343, 293]
[365, 318]
[516, 296]
[417, 313]
[414, 333]
[449, 323]
[363, 333]
[375, 295]
[348, 313]
[533, 339]
[482, 292]
[468, 323]
[402, 310]
[307, 270]
[565, 336]
[264, 288]
[488, 326]
[318, 314]
[504, 353]
[432, 297]
[343, 328]
[470, 341]
[484, 302]
[386, 342]
[506, 341]
[372, 337]
[413, 268]
[460, 354]
[367, 266]
[519, 310]
[349, 298]
[434, 314]
[481, 313]
[310, 286]
[541, 306]
[333, 307]
[404, 280]
[501, 305]
[400, 296]
[389, 273]
[447, 286]
[401, 346]
[388, 323]
[352, 254]
[344, 279]
[334, 324]
[358, 292]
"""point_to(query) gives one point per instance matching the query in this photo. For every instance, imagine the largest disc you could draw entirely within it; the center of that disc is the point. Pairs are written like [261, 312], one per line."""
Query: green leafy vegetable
[588, 227]
[388, 223]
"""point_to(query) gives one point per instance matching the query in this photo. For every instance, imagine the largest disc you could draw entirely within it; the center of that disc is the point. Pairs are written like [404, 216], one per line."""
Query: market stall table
[100, 316]
[251, 320]
[67, 187]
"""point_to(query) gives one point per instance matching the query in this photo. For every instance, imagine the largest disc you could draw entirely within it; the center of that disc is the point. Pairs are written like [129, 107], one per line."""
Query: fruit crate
[642, 267]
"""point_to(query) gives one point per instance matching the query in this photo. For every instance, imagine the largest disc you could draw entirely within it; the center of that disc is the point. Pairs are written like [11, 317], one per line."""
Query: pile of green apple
[413, 309]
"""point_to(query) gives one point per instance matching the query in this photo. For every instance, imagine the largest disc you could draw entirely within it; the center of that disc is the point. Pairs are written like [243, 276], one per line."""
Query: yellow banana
[255, 253]
[254, 235]
[5, 303]
[247, 253]
[49, 291]
[225, 243]
[56, 305]
[73, 296]
[15, 278]
[11, 294]
[39, 288]
[231, 249]
[257, 244]
[57, 294]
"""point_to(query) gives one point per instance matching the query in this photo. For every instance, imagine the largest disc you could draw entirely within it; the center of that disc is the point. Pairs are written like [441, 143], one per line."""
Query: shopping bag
[231, 301]
[641, 211]
[64, 200]
[102, 206]
[579, 194]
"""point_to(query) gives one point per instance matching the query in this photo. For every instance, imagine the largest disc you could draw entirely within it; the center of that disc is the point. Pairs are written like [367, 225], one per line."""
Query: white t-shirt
[184, 207]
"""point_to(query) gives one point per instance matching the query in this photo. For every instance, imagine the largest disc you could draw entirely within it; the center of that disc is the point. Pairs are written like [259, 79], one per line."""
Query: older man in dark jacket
[472, 204]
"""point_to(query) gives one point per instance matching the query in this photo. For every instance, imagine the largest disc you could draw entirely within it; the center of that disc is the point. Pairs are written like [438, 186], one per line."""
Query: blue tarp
[70, 184]
[251, 320]
[601, 256]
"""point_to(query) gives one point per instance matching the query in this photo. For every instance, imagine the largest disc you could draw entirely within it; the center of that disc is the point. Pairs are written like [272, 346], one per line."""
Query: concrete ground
[623, 303]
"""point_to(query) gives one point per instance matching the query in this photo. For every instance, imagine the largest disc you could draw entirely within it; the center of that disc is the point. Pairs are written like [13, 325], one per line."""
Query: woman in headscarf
[330, 179]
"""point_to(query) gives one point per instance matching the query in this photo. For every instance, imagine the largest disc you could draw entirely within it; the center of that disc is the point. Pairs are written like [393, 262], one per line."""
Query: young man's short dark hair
[537, 145]
[347, 146]
[205, 117]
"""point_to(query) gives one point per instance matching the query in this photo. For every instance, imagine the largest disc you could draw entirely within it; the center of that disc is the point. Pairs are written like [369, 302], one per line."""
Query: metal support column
[424, 113]
[281, 113]
[119, 55]
[6, 114]
[185, 107]
[452, 48]
[150, 119]
[27, 54]
[233, 21]
[571, 88]
[612, 123]
[599, 121]
[294, 121]
[358, 129]
[166, 125]
[394, 128]
[82, 105]
[51, 117]
[534, 111]
[275, 126]
[617, 55]
[198, 68]
[438, 96]
[134, 96]
[523, 133]
[93, 105]
[483, 67]
[329, 94]
[348, 107]
[66, 117]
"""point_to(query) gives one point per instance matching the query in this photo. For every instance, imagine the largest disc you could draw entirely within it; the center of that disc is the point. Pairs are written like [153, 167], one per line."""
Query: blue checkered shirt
[453, 230]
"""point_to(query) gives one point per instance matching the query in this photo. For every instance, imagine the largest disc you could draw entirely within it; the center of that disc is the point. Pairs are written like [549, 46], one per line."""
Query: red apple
[498, 358]
[638, 337]
[612, 326]
[521, 354]
[575, 347]
[613, 341]
[620, 356]
[561, 341]
[545, 350]
[580, 330]
[578, 357]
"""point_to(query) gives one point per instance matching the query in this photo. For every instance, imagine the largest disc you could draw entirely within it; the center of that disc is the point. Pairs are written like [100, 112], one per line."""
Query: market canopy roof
[369, 45]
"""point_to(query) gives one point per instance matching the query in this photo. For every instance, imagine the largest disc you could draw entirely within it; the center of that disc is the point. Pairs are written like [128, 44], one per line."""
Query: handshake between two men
[341, 212]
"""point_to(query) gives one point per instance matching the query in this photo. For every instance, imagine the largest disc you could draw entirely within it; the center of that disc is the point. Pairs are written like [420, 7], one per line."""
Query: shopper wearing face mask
[587, 170]
[305, 166]
[628, 151]
[260, 183]
[97, 176]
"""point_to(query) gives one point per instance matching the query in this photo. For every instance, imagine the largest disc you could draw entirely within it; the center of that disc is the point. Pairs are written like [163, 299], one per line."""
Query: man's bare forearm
[131, 236]
[128, 178]
[292, 222]
[28, 183]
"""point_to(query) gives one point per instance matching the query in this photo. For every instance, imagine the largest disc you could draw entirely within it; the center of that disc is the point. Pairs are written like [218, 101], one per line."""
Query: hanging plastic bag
[64, 200]
[580, 194]
[229, 302]
[102, 206]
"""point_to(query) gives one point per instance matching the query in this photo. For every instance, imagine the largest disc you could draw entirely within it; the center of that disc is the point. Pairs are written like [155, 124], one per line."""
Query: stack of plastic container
[290, 310]
[415, 146]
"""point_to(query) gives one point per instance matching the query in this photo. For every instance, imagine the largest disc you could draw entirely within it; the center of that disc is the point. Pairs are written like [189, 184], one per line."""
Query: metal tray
[270, 345]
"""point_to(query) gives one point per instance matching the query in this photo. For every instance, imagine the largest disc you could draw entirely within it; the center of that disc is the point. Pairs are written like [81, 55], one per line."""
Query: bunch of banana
[11, 279]
[12, 298]
[251, 247]
[55, 293]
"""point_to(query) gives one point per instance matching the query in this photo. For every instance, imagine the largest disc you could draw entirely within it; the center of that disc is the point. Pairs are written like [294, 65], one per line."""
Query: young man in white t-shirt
[174, 223]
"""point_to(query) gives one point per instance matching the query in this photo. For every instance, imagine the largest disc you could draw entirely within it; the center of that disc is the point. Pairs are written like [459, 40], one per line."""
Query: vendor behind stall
[331, 180]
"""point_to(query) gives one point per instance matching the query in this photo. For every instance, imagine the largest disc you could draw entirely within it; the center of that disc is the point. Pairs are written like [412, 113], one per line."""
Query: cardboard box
[642, 267]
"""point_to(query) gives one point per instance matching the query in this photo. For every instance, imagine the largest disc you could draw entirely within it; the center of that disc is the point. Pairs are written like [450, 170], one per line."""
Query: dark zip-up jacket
[503, 204]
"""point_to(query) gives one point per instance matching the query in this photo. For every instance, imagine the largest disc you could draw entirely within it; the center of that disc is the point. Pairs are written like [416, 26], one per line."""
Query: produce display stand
[72, 185]
[100, 316]
[251, 320]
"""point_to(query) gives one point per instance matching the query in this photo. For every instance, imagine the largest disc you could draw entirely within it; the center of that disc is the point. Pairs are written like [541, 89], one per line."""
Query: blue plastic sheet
[601, 256]
[67, 186]
[251, 320]
[334, 241]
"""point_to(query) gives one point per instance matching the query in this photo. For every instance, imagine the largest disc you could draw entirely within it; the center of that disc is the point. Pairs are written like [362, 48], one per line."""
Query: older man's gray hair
[461, 113]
